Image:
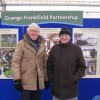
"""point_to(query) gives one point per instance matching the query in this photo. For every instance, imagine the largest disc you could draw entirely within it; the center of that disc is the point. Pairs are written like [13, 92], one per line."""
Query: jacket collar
[41, 48]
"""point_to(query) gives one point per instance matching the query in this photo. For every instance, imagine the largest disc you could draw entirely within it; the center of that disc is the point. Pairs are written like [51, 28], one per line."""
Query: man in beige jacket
[29, 64]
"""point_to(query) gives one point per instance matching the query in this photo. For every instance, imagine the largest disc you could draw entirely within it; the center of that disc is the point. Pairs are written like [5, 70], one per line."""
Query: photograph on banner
[52, 37]
[8, 41]
[89, 40]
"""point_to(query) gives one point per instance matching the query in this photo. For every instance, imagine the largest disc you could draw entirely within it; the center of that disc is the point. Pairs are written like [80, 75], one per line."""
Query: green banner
[27, 17]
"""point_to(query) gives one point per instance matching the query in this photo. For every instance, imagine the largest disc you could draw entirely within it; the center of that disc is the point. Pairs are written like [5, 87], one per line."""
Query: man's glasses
[36, 31]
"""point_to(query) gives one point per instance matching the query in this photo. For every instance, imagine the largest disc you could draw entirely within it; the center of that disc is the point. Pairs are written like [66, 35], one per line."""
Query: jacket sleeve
[50, 67]
[16, 61]
[80, 66]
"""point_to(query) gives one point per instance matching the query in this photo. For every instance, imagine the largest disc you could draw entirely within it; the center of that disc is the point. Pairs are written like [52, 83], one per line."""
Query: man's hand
[47, 84]
[18, 85]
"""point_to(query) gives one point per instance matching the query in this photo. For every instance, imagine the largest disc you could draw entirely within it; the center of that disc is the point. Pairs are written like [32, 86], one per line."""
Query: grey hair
[32, 25]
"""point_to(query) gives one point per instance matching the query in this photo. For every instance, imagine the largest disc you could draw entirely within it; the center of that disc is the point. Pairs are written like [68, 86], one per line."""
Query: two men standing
[65, 66]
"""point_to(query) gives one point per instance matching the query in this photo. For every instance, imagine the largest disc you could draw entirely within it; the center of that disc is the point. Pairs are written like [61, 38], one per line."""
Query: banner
[27, 17]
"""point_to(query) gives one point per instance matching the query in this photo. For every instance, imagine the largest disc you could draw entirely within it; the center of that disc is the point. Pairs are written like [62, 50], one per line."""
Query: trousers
[75, 98]
[30, 95]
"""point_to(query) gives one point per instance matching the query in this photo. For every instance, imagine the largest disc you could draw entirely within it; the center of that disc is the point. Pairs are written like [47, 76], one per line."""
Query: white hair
[32, 25]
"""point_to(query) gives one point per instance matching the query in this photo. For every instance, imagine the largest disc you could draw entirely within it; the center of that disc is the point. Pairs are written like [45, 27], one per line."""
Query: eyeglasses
[36, 31]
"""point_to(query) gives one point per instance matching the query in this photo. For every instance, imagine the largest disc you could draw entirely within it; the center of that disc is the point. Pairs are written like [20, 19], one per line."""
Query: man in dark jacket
[65, 67]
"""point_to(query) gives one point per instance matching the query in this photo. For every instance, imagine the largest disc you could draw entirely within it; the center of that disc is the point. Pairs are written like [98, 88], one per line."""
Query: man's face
[64, 38]
[33, 32]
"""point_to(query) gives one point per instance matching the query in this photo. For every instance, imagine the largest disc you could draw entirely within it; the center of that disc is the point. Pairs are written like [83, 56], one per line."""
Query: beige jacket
[26, 64]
